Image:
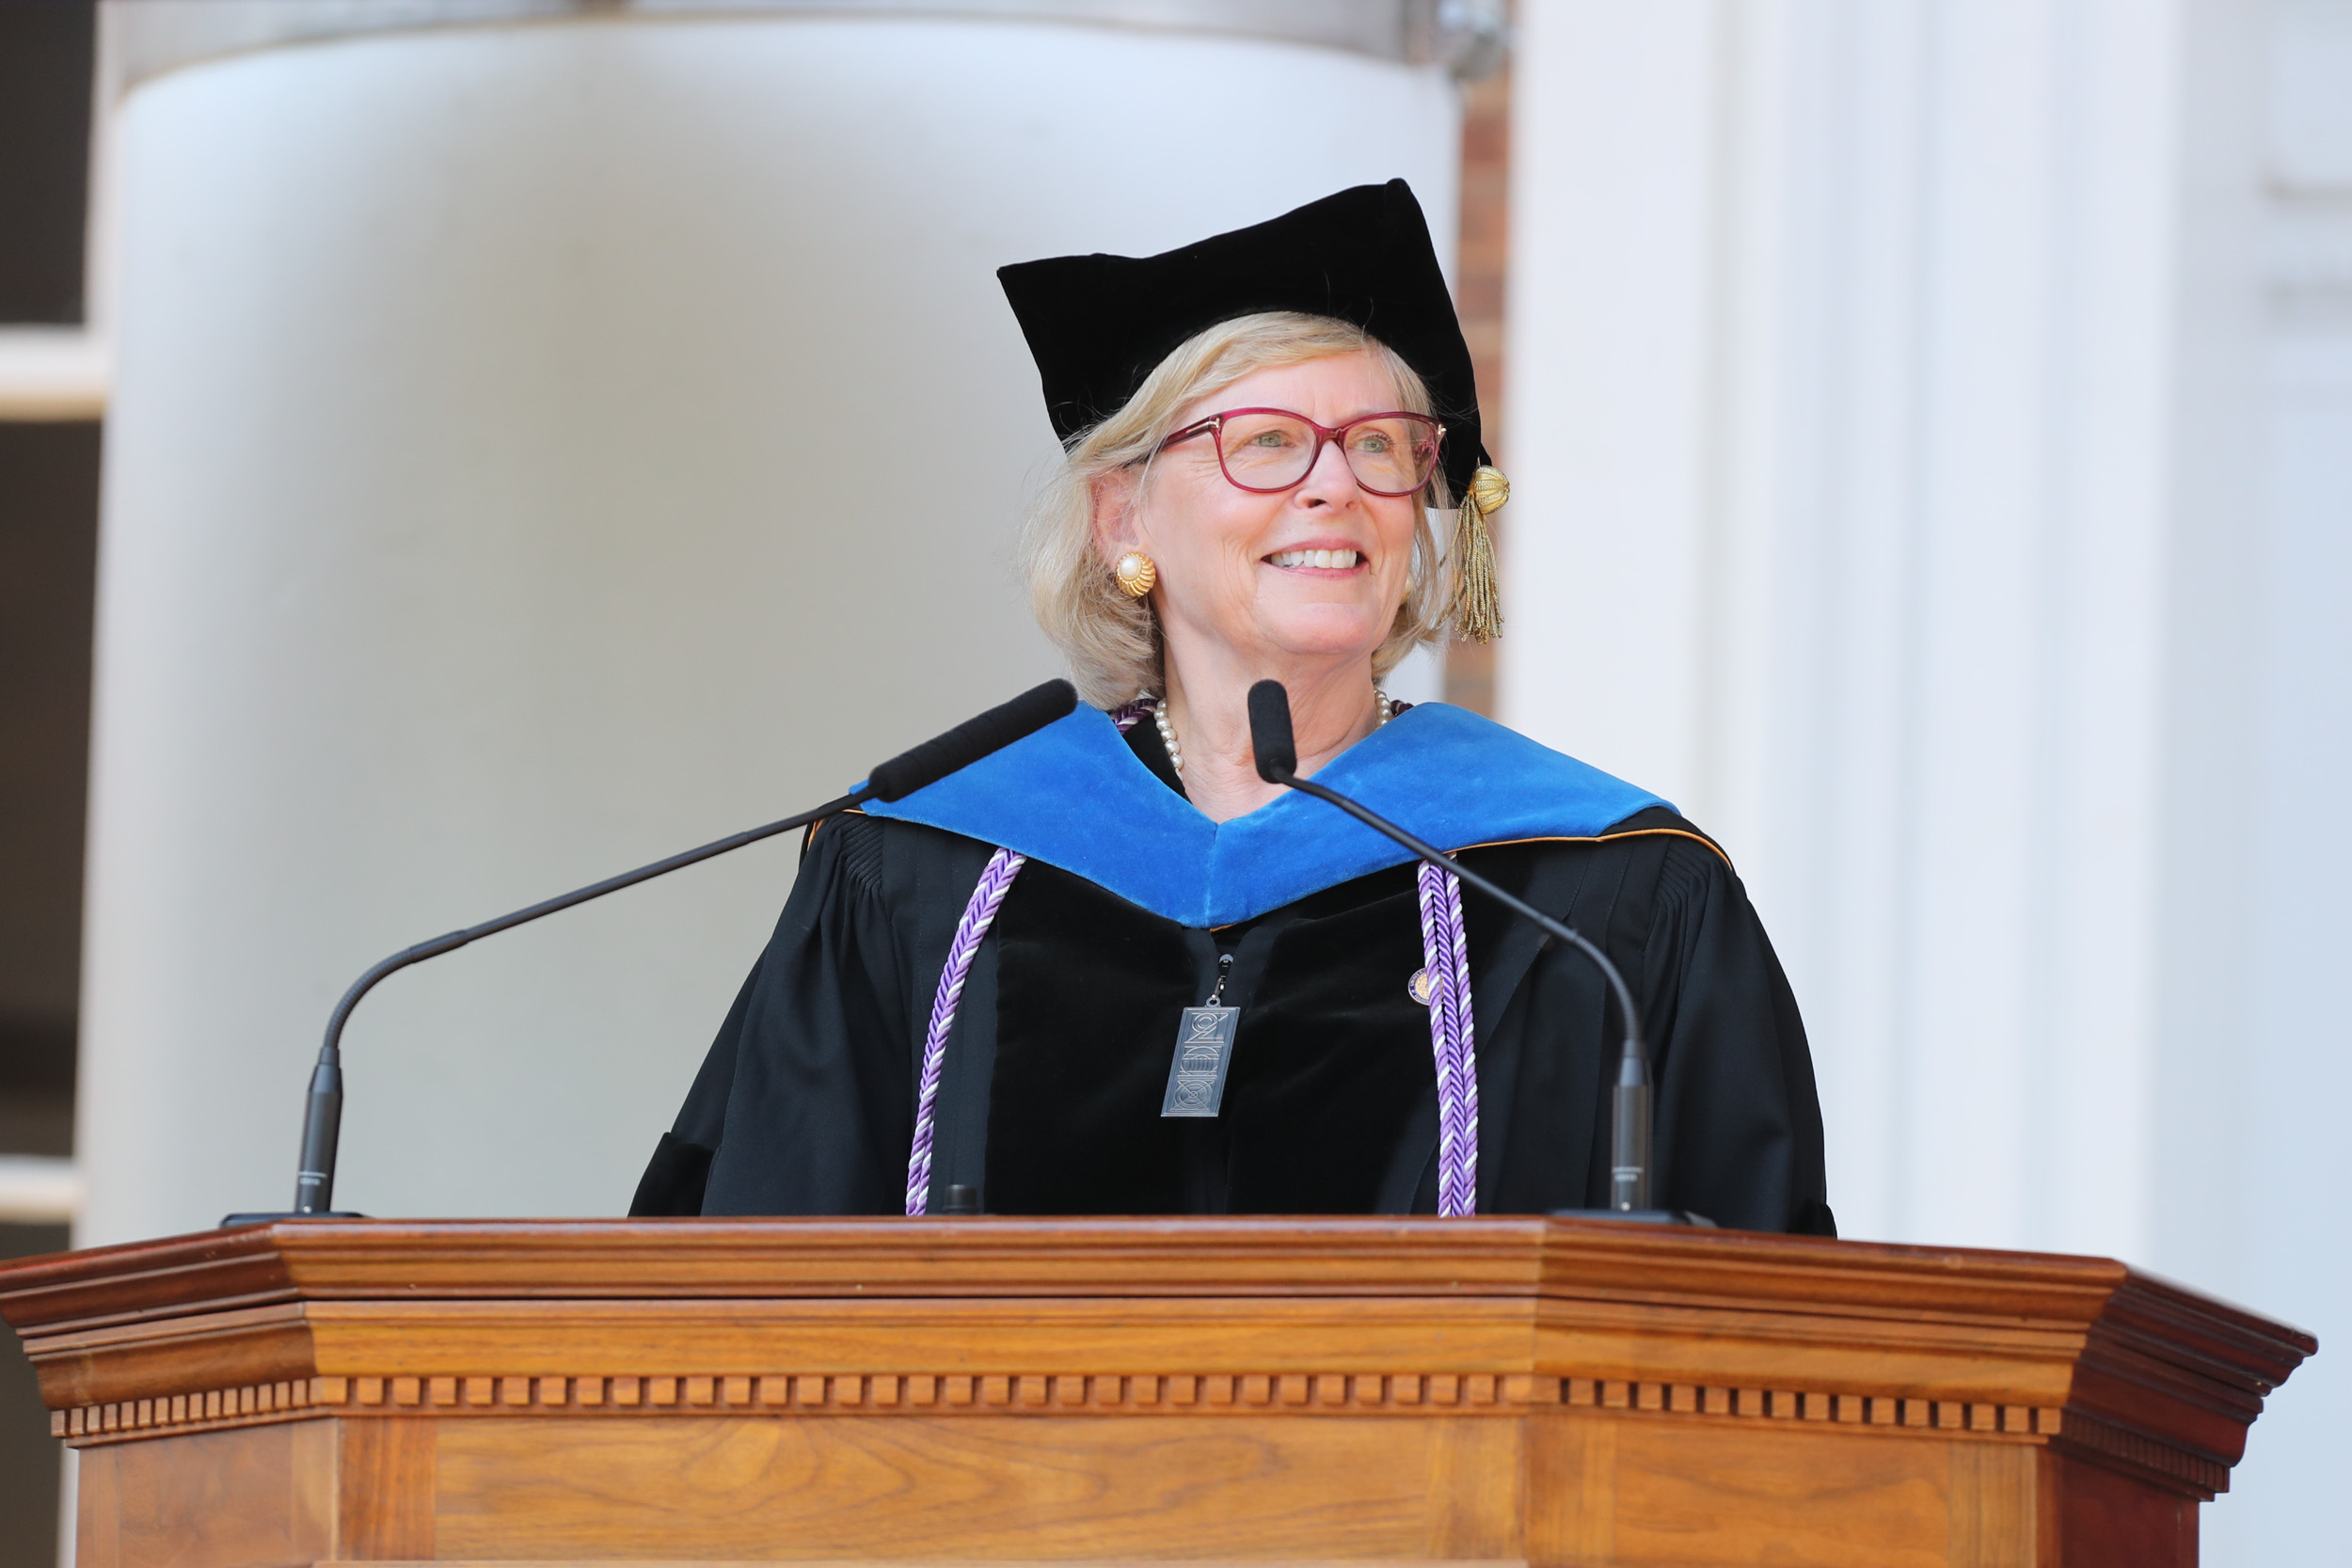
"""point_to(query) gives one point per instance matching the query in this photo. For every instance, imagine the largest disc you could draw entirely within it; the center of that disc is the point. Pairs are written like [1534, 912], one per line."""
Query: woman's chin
[1334, 632]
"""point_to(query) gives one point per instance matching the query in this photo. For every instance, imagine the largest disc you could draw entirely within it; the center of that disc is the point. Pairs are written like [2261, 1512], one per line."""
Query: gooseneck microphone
[902, 775]
[1277, 754]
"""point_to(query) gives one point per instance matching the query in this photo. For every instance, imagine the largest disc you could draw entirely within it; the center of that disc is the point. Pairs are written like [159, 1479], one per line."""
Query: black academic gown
[1055, 1074]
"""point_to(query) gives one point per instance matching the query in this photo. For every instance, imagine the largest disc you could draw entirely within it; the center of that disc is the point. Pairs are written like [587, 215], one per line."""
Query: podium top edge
[1532, 1259]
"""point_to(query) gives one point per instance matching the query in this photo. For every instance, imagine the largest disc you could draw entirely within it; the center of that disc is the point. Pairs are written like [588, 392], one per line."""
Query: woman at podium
[1108, 970]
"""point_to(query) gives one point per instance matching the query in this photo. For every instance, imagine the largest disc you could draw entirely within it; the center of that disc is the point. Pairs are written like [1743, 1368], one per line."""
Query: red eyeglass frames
[1265, 451]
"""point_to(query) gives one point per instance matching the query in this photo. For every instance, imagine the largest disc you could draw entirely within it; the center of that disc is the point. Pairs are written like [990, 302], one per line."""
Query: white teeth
[1327, 559]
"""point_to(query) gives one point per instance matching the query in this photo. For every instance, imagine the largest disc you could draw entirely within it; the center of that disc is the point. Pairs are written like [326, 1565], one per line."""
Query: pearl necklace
[1176, 758]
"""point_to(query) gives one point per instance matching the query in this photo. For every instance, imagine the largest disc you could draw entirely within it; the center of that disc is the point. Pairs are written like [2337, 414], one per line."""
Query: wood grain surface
[751, 1488]
[1015, 1391]
[262, 1496]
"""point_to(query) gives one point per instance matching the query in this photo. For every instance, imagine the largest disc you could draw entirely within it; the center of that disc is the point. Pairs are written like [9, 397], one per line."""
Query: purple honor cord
[1445, 951]
[1445, 955]
[979, 912]
[986, 899]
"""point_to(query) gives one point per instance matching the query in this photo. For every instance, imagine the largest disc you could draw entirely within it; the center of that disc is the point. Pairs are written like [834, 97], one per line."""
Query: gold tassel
[1477, 610]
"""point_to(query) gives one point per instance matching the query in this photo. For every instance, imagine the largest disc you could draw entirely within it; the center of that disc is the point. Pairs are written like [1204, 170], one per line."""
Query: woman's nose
[1330, 479]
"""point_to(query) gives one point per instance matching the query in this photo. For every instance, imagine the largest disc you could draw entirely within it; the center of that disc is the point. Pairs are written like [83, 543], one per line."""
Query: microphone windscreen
[1270, 732]
[971, 740]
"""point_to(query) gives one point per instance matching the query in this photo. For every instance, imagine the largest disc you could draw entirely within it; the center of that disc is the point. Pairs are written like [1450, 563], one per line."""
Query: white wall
[538, 448]
[1929, 424]
[2258, 1060]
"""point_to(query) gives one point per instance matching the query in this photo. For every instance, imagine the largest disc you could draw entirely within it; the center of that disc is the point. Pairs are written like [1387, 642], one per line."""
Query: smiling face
[1315, 573]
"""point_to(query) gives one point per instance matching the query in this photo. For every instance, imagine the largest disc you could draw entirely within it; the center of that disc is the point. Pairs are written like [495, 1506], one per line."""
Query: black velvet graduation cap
[1098, 324]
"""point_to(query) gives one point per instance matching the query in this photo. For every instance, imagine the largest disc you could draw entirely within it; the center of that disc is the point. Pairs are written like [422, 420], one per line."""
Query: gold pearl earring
[1136, 574]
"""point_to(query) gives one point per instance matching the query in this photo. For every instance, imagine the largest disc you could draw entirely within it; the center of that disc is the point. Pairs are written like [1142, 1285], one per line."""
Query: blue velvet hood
[1075, 796]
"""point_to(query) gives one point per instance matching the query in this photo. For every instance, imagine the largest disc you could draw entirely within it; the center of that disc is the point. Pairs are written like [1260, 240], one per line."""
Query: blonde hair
[1113, 642]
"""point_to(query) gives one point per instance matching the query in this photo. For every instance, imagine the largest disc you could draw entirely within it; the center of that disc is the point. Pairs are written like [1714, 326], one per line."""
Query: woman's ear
[1114, 495]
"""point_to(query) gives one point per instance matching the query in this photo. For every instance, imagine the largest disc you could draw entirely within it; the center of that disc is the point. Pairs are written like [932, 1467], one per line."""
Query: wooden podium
[997, 1390]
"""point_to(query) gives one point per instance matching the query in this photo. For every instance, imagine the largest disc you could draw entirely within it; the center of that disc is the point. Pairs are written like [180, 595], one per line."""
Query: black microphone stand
[1631, 1110]
[323, 1111]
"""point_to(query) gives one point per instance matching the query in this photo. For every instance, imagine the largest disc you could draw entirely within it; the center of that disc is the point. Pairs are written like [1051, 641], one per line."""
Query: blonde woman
[1110, 969]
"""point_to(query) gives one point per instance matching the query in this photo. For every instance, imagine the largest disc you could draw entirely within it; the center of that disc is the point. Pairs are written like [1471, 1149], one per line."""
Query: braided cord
[1445, 953]
[986, 899]
[979, 912]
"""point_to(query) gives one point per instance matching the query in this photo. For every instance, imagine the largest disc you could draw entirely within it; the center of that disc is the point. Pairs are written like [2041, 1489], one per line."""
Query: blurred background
[451, 449]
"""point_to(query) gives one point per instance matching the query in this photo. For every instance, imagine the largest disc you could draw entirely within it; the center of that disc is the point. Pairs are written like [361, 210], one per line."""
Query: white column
[1613, 238]
[538, 448]
[2257, 1033]
[1841, 427]
[1897, 486]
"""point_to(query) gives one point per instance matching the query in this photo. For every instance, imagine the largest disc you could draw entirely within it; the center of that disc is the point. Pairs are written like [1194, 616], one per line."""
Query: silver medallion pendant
[1204, 1049]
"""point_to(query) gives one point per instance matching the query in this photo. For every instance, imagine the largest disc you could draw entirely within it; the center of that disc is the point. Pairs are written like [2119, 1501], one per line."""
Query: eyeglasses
[1264, 451]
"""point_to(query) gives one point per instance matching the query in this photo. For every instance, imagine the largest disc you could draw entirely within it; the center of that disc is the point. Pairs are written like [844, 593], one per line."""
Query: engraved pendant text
[1204, 1049]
